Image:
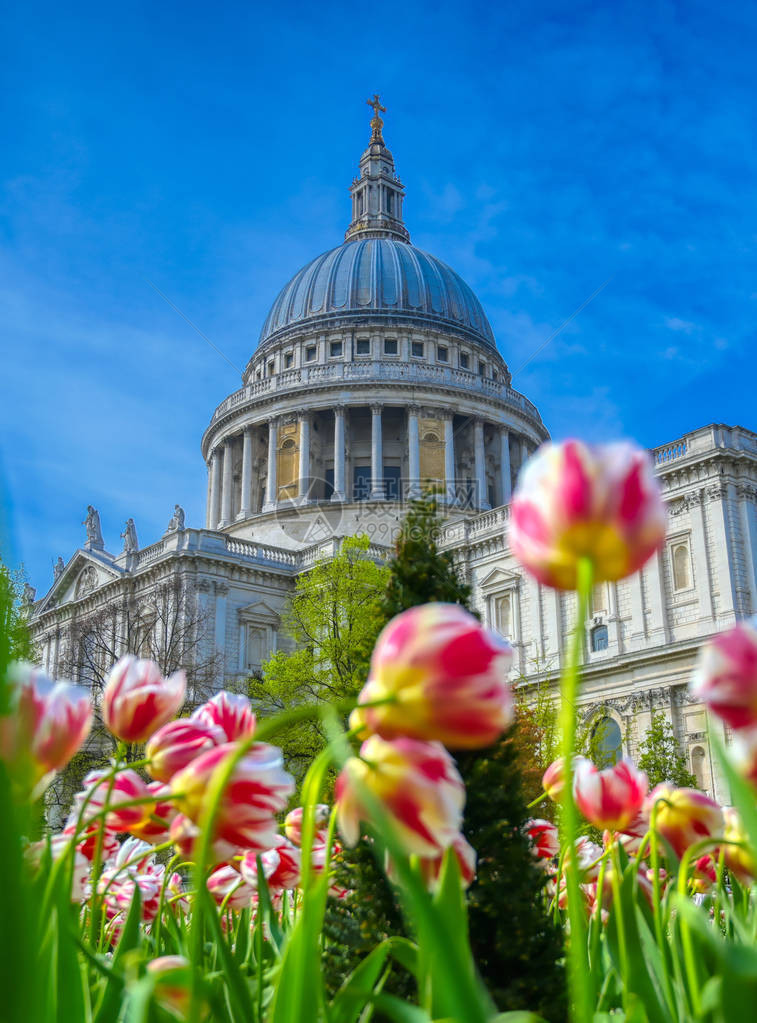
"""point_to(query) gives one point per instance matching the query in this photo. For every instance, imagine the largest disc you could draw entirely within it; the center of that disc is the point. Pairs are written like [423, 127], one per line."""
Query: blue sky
[545, 147]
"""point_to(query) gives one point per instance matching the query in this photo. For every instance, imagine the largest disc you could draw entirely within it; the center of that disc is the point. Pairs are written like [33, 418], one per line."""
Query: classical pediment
[258, 611]
[86, 572]
[498, 578]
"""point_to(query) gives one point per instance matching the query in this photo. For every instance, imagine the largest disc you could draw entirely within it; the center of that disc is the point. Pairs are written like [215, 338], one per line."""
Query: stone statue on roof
[129, 537]
[177, 520]
[58, 569]
[94, 532]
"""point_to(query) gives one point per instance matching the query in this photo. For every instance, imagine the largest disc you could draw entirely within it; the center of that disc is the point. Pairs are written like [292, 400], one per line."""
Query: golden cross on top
[376, 104]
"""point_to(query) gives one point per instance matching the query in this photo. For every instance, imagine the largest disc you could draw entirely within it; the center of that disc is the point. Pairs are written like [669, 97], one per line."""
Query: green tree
[660, 755]
[516, 946]
[330, 624]
[18, 645]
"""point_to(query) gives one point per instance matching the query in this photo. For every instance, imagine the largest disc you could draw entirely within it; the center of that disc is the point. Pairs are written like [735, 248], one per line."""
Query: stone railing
[379, 372]
[669, 452]
[151, 553]
[260, 552]
[715, 437]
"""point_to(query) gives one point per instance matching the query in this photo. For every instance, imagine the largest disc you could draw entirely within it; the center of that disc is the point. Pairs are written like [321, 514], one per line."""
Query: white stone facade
[377, 375]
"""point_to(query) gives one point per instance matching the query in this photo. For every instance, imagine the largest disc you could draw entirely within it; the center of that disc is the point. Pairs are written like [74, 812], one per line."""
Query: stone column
[449, 460]
[413, 453]
[377, 455]
[214, 510]
[271, 488]
[303, 489]
[506, 485]
[245, 508]
[339, 454]
[480, 465]
[227, 484]
[749, 536]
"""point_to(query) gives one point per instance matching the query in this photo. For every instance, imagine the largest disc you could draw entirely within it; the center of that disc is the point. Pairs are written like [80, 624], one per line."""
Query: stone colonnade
[426, 460]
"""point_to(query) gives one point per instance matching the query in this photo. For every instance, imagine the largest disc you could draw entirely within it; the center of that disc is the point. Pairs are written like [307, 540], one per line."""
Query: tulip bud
[293, 823]
[419, 786]
[258, 789]
[465, 854]
[231, 712]
[725, 676]
[553, 780]
[738, 854]
[684, 816]
[574, 501]
[281, 866]
[154, 827]
[611, 798]
[176, 744]
[438, 675]
[227, 885]
[137, 700]
[545, 841]
[173, 984]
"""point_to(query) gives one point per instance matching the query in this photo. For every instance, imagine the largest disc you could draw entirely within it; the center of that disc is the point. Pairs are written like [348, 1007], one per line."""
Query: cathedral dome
[379, 277]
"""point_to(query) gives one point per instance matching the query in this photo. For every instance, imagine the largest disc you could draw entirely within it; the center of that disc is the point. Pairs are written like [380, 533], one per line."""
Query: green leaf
[107, 1009]
[358, 988]
[641, 982]
[239, 992]
[399, 1011]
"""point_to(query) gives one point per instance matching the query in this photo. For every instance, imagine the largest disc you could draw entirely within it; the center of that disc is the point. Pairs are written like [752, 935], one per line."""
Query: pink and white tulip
[685, 816]
[437, 675]
[227, 885]
[611, 798]
[293, 823]
[176, 744]
[49, 721]
[725, 676]
[419, 786]
[258, 789]
[137, 700]
[231, 712]
[575, 501]
[544, 838]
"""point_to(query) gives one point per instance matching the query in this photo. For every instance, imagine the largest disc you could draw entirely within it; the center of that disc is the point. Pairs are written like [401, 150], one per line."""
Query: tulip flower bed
[184, 886]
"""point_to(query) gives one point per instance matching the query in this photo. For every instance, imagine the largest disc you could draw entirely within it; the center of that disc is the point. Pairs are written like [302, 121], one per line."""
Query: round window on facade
[606, 742]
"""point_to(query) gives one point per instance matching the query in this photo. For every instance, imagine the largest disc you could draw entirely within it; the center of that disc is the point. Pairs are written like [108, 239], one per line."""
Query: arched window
[681, 567]
[606, 742]
[599, 638]
[697, 765]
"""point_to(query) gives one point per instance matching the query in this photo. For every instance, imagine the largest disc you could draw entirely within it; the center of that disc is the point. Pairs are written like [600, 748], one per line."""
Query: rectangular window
[270, 369]
[442, 353]
[363, 346]
[416, 349]
[482, 369]
[288, 360]
[464, 360]
[335, 349]
[328, 489]
[392, 482]
[390, 346]
[310, 353]
[361, 489]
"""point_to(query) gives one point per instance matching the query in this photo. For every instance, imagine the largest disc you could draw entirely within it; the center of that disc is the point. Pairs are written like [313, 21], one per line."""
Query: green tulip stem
[579, 976]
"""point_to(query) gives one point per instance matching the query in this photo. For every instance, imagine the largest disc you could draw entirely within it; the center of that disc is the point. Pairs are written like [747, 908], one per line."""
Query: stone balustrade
[378, 372]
